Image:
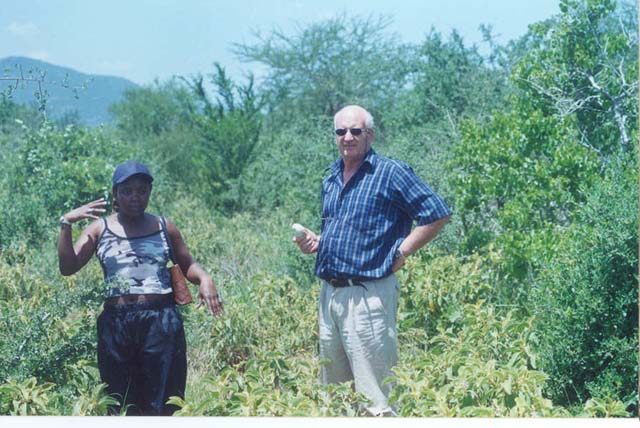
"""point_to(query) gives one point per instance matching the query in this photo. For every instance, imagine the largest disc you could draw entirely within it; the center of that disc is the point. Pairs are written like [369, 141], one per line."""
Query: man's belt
[339, 283]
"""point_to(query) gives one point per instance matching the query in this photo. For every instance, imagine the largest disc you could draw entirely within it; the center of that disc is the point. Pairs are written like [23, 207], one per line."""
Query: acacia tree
[316, 71]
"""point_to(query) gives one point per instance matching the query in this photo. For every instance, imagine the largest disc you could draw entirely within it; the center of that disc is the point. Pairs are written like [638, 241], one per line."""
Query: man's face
[352, 147]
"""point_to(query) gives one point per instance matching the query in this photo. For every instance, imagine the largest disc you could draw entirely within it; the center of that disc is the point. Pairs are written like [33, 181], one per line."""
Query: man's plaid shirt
[364, 222]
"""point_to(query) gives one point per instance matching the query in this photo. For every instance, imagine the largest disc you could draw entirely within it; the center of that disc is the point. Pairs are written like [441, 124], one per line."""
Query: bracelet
[63, 221]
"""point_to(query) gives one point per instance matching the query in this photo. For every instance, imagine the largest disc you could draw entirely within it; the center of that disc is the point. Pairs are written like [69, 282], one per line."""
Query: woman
[141, 343]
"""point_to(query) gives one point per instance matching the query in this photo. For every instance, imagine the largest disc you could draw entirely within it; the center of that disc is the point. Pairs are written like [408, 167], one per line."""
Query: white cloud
[22, 29]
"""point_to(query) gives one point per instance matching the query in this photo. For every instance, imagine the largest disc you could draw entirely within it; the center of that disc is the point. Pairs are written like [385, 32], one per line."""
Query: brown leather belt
[131, 299]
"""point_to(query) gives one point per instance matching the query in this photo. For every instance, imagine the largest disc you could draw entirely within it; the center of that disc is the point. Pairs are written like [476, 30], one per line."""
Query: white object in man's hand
[298, 231]
[306, 240]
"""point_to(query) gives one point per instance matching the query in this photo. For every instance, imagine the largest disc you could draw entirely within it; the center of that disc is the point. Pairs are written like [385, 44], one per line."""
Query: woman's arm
[207, 292]
[71, 258]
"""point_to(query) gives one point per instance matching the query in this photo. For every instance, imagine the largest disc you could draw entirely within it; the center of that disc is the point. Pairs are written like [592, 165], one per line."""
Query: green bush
[25, 398]
[260, 357]
[47, 322]
[481, 365]
[461, 353]
[51, 172]
[274, 385]
[288, 171]
[586, 297]
[434, 290]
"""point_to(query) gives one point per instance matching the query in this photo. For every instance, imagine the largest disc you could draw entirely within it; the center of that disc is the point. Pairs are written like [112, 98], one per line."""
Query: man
[368, 206]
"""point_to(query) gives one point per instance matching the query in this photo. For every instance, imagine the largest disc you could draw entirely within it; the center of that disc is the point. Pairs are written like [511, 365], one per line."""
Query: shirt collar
[371, 159]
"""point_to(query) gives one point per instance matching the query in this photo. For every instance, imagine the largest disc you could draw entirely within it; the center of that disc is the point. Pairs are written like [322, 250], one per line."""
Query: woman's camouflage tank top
[134, 265]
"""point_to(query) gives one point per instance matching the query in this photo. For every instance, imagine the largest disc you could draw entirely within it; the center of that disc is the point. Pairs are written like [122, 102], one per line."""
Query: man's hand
[418, 237]
[398, 263]
[308, 243]
[399, 259]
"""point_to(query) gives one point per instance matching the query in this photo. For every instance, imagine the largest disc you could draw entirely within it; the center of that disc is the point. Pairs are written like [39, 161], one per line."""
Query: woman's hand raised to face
[91, 210]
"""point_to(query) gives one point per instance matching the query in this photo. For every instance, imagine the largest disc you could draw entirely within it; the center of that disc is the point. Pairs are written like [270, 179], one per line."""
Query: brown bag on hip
[181, 292]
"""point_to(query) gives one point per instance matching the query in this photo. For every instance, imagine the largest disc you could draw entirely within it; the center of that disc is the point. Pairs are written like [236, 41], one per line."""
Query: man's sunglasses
[354, 131]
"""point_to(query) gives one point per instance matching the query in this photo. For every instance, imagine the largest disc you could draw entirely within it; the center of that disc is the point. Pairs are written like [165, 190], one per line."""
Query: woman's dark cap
[128, 169]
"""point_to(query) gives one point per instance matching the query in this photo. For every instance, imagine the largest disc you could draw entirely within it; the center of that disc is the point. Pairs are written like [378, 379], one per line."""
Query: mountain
[68, 92]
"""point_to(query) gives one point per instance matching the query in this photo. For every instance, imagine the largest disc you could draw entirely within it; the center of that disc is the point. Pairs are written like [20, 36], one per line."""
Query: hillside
[90, 101]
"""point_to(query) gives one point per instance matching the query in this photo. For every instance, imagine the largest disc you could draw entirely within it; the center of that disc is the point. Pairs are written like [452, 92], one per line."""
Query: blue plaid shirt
[364, 222]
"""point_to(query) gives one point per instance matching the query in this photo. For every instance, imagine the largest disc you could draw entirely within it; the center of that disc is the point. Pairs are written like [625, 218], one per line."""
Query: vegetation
[526, 305]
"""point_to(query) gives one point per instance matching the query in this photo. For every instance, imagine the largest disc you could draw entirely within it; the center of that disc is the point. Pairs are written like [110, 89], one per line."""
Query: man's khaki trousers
[357, 327]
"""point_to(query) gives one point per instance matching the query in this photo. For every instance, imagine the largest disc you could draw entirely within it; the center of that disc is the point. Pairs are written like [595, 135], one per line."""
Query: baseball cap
[128, 169]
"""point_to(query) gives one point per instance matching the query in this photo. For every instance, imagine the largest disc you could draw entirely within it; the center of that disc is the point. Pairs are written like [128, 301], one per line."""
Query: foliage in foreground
[478, 362]
[473, 358]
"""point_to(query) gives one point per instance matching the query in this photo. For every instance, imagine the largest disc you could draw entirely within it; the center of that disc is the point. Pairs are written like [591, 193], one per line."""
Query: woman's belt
[131, 299]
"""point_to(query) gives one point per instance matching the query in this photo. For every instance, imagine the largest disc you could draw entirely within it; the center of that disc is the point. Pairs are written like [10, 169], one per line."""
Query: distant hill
[90, 101]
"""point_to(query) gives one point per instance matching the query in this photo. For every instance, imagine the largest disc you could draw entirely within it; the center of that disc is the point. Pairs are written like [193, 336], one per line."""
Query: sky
[143, 40]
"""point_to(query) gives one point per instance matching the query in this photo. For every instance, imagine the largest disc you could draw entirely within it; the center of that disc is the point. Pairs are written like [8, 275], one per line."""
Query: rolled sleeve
[416, 198]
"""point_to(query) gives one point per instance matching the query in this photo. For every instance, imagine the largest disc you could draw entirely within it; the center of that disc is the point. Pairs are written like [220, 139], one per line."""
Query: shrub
[26, 398]
[585, 299]
[461, 353]
[46, 322]
[51, 172]
[482, 366]
[435, 289]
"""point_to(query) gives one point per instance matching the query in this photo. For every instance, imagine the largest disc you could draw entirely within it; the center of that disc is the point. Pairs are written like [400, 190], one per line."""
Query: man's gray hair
[368, 118]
